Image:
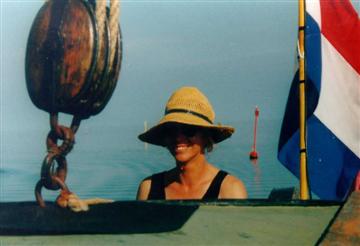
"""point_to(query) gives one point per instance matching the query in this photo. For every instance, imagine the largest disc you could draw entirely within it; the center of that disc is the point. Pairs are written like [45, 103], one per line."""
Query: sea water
[109, 162]
[228, 49]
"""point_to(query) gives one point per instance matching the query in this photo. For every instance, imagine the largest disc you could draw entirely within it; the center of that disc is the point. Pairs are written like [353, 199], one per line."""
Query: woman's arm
[144, 190]
[232, 188]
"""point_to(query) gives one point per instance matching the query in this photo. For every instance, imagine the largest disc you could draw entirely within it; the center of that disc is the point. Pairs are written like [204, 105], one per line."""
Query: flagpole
[304, 189]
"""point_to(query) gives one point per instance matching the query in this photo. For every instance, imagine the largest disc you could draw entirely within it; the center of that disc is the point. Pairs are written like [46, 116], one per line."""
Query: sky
[241, 54]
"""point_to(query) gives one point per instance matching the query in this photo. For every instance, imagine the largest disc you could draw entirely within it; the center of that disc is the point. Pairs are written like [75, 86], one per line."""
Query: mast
[304, 189]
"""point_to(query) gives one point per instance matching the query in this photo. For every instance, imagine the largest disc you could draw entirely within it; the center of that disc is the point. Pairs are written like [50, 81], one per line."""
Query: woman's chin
[181, 159]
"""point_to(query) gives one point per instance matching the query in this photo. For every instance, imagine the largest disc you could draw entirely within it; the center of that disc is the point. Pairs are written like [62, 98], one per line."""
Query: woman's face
[184, 142]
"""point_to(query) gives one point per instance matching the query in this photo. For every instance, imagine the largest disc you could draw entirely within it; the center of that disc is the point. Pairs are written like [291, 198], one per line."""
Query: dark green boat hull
[169, 223]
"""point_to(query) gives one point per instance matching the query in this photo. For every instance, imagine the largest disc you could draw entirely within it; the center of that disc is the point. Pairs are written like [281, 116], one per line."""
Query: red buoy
[253, 153]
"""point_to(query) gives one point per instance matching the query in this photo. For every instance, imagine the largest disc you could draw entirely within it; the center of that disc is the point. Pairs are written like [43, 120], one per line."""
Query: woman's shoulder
[145, 185]
[155, 175]
[232, 188]
[144, 189]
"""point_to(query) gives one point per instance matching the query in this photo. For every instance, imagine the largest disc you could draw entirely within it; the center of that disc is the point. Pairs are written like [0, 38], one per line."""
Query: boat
[273, 221]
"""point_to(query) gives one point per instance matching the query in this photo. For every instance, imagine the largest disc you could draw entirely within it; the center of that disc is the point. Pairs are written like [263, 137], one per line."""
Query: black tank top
[157, 189]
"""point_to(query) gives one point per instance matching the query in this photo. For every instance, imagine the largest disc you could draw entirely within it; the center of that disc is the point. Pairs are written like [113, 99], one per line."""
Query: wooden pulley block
[103, 92]
[66, 67]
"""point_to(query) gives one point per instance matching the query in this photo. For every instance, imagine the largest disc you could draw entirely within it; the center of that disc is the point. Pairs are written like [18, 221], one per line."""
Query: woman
[187, 131]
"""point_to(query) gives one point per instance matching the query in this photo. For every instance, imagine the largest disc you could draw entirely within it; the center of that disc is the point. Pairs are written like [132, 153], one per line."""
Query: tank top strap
[157, 189]
[214, 188]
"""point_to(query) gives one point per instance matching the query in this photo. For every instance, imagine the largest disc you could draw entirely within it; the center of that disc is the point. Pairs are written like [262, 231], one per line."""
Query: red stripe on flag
[341, 26]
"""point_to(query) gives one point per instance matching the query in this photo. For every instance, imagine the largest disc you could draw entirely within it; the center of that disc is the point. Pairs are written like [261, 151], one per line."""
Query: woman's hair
[209, 142]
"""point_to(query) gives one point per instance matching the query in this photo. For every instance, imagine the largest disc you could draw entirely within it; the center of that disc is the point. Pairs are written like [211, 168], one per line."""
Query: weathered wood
[61, 54]
[345, 230]
[67, 68]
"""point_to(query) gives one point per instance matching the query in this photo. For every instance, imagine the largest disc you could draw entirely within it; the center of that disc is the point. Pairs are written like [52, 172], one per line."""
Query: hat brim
[155, 135]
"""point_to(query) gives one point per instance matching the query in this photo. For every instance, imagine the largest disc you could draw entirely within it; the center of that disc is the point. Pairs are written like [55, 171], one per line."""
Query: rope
[114, 28]
[100, 13]
[70, 200]
[113, 24]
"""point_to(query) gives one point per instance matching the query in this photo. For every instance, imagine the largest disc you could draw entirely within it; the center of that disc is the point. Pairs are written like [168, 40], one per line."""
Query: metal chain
[51, 178]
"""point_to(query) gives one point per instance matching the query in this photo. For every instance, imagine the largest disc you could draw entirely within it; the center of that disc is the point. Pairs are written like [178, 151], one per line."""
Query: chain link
[53, 177]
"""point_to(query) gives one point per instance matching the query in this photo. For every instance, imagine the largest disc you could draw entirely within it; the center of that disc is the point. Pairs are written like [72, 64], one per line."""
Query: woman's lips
[181, 147]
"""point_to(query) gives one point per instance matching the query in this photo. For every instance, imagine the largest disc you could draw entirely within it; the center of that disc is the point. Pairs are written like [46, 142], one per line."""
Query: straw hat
[188, 106]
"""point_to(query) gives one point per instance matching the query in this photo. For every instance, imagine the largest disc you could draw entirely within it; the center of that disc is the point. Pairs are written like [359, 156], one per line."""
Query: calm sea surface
[218, 46]
[110, 162]
[214, 45]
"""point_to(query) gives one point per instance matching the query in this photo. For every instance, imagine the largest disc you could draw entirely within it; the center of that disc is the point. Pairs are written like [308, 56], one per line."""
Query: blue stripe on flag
[313, 51]
[331, 165]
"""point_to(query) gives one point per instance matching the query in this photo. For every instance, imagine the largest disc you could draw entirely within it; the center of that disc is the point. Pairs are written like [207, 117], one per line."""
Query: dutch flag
[332, 46]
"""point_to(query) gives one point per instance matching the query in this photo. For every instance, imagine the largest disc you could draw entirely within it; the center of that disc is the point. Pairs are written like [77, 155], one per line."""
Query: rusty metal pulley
[66, 68]
[69, 69]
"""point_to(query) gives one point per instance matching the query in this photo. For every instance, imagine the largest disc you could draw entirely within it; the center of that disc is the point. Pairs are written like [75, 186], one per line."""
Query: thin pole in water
[253, 153]
[145, 129]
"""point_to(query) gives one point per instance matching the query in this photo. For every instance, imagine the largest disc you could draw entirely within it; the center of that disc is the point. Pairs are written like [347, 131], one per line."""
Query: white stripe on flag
[313, 9]
[339, 102]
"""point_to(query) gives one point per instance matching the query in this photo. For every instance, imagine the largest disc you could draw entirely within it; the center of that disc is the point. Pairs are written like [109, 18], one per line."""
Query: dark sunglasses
[187, 131]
